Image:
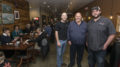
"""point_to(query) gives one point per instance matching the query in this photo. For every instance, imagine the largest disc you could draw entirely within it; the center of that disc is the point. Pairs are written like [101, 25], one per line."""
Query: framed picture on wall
[16, 14]
[6, 8]
[7, 18]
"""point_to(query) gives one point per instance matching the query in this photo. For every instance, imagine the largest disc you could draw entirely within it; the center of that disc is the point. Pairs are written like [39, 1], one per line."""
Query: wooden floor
[51, 59]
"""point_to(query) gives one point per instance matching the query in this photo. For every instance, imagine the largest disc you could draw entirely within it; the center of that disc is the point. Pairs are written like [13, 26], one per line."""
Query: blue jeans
[60, 52]
[96, 57]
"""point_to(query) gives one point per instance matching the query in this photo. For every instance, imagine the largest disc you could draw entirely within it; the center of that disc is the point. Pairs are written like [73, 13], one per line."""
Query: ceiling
[59, 5]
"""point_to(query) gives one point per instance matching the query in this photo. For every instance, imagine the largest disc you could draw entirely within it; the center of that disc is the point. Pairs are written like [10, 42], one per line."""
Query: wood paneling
[23, 7]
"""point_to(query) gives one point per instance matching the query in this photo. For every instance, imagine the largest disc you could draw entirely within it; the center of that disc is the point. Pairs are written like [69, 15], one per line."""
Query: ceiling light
[30, 7]
[111, 17]
[89, 18]
[71, 3]
[48, 6]
[44, 2]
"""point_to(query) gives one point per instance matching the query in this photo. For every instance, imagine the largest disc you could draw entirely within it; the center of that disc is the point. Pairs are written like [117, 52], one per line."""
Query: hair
[16, 26]
[63, 13]
[5, 29]
[2, 56]
[39, 29]
[77, 12]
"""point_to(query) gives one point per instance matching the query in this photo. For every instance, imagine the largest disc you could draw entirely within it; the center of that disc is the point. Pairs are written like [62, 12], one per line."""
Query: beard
[96, 16]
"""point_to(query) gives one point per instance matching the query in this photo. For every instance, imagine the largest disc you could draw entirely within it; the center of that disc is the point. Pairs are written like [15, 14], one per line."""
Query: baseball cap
[96, 8]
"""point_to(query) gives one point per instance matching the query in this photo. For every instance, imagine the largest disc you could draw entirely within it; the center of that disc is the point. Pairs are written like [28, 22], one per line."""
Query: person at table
[27, 29]
[5, 37]
[40, 36]
[17, 32]
[33, 27]
[3, 61]
[6, 40]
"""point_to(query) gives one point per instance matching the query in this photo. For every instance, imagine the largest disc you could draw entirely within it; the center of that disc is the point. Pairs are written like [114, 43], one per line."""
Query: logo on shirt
[102, 23]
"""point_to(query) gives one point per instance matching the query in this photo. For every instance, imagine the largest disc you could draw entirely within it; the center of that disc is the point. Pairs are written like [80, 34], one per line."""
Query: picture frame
[16, 14]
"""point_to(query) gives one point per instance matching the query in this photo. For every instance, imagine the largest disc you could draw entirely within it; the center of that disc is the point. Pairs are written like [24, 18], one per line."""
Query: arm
[68, 35]
[39, 38]
[57, 38]
[109, 40]
[111, 32]
[57, 35]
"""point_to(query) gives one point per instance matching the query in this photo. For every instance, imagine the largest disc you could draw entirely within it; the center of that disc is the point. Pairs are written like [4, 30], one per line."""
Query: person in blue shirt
[48, 30]
[76, 36]
[17, 32]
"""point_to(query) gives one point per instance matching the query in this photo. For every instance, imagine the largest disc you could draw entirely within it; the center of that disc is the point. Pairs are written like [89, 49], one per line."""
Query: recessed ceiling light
[71, 3]
[48, 6]
[44, 2]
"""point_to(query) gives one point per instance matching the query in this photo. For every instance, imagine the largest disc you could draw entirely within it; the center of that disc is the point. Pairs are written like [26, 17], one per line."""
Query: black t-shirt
[62, 30]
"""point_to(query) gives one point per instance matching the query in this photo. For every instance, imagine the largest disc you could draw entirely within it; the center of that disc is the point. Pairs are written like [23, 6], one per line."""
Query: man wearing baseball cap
[101, 32]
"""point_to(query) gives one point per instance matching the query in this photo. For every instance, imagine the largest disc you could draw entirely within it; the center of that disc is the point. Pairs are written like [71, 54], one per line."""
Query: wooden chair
[26, 59]
[20, 62]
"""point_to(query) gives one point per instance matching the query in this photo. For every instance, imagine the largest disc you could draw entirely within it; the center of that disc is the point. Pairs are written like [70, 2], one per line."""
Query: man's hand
[69, 42]
[105, 47]
[8, 34]
[58, 44]
[26, 42]
[87, 44]
[7, 65]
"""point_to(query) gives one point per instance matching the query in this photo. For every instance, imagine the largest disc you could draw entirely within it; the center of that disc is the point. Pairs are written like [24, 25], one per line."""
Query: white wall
[34, 12]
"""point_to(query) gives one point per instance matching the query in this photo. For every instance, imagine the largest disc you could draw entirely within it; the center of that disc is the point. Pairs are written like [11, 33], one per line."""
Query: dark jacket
[5, 39]
[39, 38]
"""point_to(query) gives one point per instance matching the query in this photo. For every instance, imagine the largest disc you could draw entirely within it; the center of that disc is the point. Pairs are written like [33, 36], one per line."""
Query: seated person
[3, 61]
[33, 27]
[40, 36]
[5, 37]
[6, 40]
[27, 29]
[17, 32]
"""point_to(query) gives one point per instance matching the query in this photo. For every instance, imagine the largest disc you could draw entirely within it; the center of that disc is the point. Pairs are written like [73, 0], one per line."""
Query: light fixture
[71, 3]
[44, 2]
[89, 18]
[30, 7]
[111, 17]
[48, 6]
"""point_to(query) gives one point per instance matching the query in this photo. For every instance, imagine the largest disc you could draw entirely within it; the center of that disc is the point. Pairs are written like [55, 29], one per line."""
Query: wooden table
[21, 47]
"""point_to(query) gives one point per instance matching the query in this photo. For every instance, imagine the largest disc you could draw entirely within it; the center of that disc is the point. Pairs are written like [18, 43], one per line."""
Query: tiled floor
[51, 59]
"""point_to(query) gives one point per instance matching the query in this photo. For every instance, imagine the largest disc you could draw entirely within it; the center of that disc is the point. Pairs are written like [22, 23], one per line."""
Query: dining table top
[21, 46]
[13, 47]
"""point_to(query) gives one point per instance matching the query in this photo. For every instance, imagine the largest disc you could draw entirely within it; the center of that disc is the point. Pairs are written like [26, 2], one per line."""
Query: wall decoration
[6, 8]
[7, 18]
[16, 14]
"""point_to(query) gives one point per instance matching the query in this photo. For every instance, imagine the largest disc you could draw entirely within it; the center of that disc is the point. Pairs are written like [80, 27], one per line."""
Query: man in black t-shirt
[61, 38]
